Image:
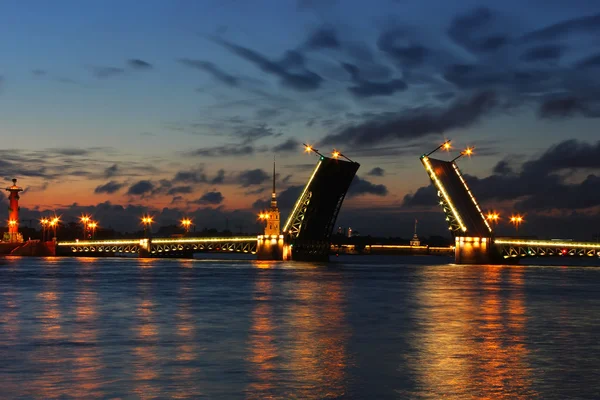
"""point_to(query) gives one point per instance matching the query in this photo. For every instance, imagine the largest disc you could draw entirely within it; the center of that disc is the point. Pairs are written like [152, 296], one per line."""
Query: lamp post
[493, 217]
[44, 222]
[516, 220]
[54, 224]
[466, 152]
[92, 225]
[85, 220]
[147, 221]
[186, 223]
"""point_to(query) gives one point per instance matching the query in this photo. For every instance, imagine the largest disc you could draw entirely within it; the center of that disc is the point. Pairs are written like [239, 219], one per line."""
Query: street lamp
[337, 154]
[92, 225]
[147, 221]
[446, 146]
[84, 220]
[516, 220]
[54, 224]
[186, 223]
[493, 217]
[44, 222]
[466, 152]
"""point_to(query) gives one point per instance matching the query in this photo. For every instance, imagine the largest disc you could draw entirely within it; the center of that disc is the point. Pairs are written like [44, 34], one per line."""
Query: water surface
[361, 327]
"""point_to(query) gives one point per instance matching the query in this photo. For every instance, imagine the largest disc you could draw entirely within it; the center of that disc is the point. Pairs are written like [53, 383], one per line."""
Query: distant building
[415, 239]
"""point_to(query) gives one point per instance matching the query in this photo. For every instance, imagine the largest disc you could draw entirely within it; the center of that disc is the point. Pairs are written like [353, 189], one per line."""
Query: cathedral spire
[274, 193]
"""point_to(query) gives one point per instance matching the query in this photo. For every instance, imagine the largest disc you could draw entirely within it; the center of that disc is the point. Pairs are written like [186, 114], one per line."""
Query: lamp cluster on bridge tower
[13, 234]
[270, 245]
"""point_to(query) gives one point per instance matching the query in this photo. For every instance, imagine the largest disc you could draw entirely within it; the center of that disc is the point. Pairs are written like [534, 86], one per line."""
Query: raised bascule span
[306, 235]
[475, 241]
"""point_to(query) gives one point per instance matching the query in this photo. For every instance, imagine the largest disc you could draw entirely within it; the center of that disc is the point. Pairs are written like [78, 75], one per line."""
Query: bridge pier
[272, 247]
[473, 250]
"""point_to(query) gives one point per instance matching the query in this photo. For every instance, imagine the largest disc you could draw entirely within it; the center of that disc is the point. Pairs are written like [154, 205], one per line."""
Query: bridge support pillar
[144, 248]
[473, 250]
[271, 247]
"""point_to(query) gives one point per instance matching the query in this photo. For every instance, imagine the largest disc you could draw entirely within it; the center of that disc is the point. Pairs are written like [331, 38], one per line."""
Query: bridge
[475, 240]
[306, 235]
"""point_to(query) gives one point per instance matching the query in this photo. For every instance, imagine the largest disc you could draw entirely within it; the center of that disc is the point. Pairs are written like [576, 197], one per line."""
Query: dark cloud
[569, 106]
[361, 186]
[475, 32]
[106, 72]
[39, 72]
[219, 178]
[587, 24]
[303, 80]
[377, 171]
[290, 145]
[111, 171]
[191, 176]
[415, 123]
[589, 62]
[364, 88]
[109, 188]
[323, 38]
[228, 150]
[425, 196]
[407, 55]
[210, 198]
[69, 151]
[212, 69]
[252, 177]
[549, 52]
[139, 64]
[141, 188]
[250, 134]
[292, 59]
[179, 190]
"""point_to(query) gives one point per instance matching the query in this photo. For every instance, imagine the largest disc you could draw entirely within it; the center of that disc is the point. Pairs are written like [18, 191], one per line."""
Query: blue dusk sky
[177, 107]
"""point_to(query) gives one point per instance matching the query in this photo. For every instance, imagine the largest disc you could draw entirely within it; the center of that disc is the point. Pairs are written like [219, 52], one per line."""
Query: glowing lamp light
[308, 148]
[335, 154]
[468, 151]
[446, 146]
[12, 222]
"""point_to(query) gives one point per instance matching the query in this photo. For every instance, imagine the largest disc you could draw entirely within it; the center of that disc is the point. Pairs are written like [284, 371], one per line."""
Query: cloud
[223, 151]
[475, 31]
[569, 106]
[193, 176]
[323, 38]
[106, 72]
[415, 123]
[111, 171]
[364, 88]
[377, 171]
[219, 178]
[249, 134]
[290, 145]
[179, 190]
[136, 63]
[587, 24]
[213, 70]
[303, 80]
[109, 188]
[252, 177]
[210, 198]
[408, 55]
[549, 52]
[141, 188]
[39, 72]
[589, 62]
[228, 150]
[361, 186]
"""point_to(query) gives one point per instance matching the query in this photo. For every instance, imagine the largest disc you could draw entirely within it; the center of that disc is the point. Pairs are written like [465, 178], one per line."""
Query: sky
[177, 108]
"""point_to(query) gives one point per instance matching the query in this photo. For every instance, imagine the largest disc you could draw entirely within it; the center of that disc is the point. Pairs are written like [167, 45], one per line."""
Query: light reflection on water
[364, 327]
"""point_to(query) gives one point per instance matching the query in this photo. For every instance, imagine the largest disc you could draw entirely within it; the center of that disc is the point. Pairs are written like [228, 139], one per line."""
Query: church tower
[272, 226]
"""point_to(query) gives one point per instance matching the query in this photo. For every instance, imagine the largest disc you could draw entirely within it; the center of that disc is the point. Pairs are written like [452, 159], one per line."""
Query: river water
[360, 327]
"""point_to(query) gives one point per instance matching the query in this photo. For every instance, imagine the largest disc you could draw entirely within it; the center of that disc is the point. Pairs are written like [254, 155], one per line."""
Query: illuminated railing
[293, 213]
[548, 243]
[204, 240]
[441, 188]
[470, 239]
[471, 196]
[99, 242]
